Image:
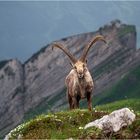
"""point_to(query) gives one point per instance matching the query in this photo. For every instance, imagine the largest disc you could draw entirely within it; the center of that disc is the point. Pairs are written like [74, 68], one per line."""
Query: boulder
[114, 121]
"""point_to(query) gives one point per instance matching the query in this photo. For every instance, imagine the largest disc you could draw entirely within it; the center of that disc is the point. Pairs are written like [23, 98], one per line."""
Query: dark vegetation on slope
[126, 30]
[46, 105]
[128, 87]
[35, 55]
[112, 62]
[3, 63]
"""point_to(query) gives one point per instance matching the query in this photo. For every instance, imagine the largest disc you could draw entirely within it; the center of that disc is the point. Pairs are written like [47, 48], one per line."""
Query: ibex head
[79, 65]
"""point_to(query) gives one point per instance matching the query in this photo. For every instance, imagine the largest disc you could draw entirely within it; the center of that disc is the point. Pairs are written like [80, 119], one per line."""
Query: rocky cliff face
[39, 83]
[11, 95]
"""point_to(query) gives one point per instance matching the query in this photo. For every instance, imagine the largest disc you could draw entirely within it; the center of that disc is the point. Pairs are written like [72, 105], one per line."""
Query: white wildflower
[82, 114]
[58, 120]
[81, 128]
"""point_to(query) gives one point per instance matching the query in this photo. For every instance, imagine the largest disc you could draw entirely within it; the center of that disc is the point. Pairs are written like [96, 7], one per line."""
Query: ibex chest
[85, 86]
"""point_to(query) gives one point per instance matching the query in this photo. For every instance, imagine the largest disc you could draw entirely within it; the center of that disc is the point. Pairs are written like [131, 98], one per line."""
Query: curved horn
[86, 49]
[65, 50]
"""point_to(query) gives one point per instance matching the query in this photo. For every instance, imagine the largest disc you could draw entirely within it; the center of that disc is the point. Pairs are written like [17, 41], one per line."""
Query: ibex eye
[75, 67]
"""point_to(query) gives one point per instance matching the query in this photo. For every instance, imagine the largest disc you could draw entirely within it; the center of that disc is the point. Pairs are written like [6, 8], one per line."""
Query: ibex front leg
[75, 102]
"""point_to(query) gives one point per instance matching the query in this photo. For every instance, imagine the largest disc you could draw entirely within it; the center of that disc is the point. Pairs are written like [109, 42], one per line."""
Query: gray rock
[114, 121]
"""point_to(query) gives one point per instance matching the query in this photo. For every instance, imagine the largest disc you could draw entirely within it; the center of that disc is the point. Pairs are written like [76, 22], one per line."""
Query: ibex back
[79, 81]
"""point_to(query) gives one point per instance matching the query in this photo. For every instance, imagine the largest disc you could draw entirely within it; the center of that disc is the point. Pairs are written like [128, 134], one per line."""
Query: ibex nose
[80, 74]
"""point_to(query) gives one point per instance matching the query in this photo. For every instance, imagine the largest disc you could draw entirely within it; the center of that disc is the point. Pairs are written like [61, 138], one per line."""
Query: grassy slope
[128, 87]
[69, 124]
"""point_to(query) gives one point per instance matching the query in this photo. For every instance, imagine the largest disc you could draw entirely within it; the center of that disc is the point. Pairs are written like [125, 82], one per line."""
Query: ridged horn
[65, 50]
[87, 48]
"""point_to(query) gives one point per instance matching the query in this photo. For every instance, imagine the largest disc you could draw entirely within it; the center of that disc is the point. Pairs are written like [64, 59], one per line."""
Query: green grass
[60, 125]
[70, 124]
[128, 87]
[133, 104]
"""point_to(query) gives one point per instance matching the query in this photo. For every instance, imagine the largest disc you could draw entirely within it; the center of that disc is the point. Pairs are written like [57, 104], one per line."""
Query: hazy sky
[25, 27]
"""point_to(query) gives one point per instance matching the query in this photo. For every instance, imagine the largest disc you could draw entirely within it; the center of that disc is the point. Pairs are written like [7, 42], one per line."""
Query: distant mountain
[37, 86]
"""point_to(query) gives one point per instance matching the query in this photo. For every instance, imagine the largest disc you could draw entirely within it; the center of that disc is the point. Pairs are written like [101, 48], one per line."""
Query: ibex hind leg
[70, 102]
[89, 100]
[78, 99]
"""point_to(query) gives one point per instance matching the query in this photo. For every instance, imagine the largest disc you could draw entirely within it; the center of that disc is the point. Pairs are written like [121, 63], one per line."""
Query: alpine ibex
[79, 81]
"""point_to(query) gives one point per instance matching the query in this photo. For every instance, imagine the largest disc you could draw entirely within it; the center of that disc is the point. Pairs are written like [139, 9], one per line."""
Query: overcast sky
[25, 27]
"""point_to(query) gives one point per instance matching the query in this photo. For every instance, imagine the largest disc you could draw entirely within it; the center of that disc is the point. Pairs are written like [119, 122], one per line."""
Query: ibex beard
[79, 81]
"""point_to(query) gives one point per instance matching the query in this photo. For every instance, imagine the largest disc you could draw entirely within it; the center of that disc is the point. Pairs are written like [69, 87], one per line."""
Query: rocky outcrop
[114, 121]
[38, 84]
